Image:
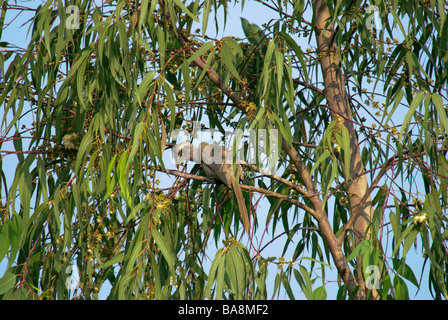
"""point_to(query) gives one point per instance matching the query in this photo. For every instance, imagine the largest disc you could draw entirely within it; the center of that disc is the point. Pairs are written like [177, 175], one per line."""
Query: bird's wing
[224, 172]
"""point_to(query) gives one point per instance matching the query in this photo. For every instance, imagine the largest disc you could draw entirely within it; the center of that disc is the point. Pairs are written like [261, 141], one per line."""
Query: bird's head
[185, 151]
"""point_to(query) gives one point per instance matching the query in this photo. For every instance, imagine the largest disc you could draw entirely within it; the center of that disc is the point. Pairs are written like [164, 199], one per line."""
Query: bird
[217, 162]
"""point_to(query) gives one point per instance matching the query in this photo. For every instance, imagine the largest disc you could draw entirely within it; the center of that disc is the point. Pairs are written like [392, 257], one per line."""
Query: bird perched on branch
[217, 162]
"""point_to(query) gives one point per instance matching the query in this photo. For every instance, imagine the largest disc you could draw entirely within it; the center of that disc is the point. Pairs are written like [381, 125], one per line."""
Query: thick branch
[338, 102]
[244, 187]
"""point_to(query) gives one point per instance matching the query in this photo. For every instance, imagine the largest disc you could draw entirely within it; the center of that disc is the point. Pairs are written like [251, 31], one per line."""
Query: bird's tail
[242, 206]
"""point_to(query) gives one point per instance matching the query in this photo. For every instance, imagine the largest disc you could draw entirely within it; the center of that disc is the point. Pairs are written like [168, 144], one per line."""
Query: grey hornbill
[217, 162]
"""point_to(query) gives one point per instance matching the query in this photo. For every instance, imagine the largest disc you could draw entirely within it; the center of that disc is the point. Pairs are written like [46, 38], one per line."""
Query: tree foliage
[357, 92]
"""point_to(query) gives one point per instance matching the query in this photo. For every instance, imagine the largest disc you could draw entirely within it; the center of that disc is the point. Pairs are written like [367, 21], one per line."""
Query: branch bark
[283, 197]
[338, 103]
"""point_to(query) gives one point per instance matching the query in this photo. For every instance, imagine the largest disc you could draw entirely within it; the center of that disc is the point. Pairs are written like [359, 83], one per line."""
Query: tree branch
[244, 187]
[338, 102]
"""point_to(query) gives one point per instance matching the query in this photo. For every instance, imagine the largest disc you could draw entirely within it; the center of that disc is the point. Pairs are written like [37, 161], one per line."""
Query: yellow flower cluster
[228, 243]
[281, 262]
[250, 108]
[421, 218]
[162, 201]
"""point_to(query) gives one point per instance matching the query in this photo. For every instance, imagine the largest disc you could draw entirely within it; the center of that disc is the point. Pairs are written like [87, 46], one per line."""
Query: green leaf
[361, 248]
[442, 13]
[266, 67]
[143, 87]
[203, 49]
[236, 272]
[15, 234]
[185, 9]
[164, 245]
[2, 18]
[205, 14]
[317, 261]
[161, 41]
[285, 131]
[136, 140]
[345, 147]
[253, 33]
[408, 237]
[320, 293]
[398, 99]
[286, 285]
[279, 68]
[186, 76]
[18, 144]
[42, 172]
[123, 177]
[111, 181]
[234, 46]
[298, 53]
[401, 289]
[404, 270]
[414, 63]
[441, 112]
[304, 280]
[206, 207]
[143, 14]
[442, 170]
[208, 62]
[7, 282]
[220, 275]
[407, 119]
[227, 57]
[83, 151]
[321, 159]
[328, 178]
[25, 186]
[80, 74]
[218, 261]
[395, 224]
[4, 240]
[73, 70]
